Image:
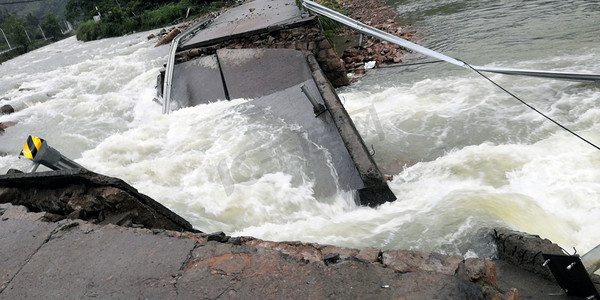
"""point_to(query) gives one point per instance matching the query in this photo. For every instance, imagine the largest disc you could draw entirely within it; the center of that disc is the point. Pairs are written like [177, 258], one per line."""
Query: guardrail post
[39, 152]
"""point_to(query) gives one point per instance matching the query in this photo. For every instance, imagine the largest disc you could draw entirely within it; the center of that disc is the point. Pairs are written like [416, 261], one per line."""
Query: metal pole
[27, 34]
[591, 260]
[42, 32]
[33, 167]
[318, 108]
[9, 47]
[171, 63]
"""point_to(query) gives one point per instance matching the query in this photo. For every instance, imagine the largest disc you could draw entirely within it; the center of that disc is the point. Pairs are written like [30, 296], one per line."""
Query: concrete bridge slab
[197, 82]
[251, 16]
[293, 107]
[253, 73]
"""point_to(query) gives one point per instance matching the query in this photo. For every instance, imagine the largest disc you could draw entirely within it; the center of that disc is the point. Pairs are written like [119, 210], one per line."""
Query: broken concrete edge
[525, 251]
[475, 270]
[304, 35]
[376, 190]
[298, 22]
[62, 179]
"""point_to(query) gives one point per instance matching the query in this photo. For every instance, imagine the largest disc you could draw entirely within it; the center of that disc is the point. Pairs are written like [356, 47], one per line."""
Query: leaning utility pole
[9, 47]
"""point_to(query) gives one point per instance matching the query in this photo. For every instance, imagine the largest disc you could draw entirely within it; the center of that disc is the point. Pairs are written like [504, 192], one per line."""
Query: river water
[465, 156]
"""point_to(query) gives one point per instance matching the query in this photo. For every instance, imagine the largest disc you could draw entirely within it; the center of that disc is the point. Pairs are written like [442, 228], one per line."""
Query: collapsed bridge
[290, 78]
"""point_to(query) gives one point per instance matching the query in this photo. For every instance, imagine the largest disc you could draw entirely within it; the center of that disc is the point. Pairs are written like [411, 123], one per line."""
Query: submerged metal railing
[166, 101]
[382, 35]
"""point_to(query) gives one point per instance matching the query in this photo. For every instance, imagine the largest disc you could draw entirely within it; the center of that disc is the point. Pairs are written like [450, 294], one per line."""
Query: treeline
[28, 32]
[109, 18]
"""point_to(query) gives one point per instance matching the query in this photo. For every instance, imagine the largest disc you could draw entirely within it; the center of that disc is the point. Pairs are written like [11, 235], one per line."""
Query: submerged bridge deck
[287, 84]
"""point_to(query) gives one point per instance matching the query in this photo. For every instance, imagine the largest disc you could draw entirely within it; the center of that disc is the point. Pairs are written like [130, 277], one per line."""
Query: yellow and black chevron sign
[31, 147]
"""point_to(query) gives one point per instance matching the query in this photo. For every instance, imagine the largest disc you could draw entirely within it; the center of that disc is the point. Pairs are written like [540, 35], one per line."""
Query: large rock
[6, 109]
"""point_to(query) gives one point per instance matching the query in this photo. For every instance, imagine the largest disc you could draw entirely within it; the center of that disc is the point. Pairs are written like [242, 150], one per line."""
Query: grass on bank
[331, 29]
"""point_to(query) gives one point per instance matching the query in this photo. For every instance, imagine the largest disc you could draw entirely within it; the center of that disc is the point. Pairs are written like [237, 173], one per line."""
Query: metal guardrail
[368, 30]
[171, 61]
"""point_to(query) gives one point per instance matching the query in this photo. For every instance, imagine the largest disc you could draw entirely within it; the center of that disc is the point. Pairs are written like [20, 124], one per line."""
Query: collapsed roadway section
[289, 75]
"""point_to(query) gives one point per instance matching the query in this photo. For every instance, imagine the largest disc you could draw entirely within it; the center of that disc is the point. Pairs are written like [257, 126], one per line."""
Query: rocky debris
[525, 250]
[81, 194]
[6, 110]
[169, 37]
[4, 125]
[377, 14]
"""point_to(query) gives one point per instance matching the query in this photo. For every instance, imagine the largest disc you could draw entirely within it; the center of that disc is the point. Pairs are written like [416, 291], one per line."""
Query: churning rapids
[465, 156]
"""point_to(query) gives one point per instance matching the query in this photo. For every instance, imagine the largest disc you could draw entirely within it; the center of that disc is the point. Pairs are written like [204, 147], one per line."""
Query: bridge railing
[168, 81]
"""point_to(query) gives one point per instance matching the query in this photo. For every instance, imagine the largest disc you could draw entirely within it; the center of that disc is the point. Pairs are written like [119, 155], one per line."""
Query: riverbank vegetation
[25, 32]
[109, 18]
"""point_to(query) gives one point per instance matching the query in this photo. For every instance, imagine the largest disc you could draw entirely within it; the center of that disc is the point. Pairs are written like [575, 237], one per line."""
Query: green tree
[32, 21]
[51, 26]
[15, 27]
[82, 10]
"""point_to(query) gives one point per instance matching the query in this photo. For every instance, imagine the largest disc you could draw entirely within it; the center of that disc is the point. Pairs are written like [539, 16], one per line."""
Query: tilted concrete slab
[196, 82]
[376, 190]
[252, 16]
[87, 261]
[253, 73]
[272, 78]
[293, 107]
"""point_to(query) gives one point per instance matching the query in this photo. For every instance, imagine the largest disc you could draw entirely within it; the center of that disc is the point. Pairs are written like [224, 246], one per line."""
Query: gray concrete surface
[19, 241]
[73, 259]
[197, 82]
[272, 79]
[292, 106]
[537, 287]
[250, 17]
[89, 262]
[253, 73]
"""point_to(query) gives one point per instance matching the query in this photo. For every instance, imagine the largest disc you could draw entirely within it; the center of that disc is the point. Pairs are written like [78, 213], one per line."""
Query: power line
[533, 108]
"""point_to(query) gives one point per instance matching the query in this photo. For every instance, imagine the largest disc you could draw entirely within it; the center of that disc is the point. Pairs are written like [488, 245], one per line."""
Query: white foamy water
[465, 156]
